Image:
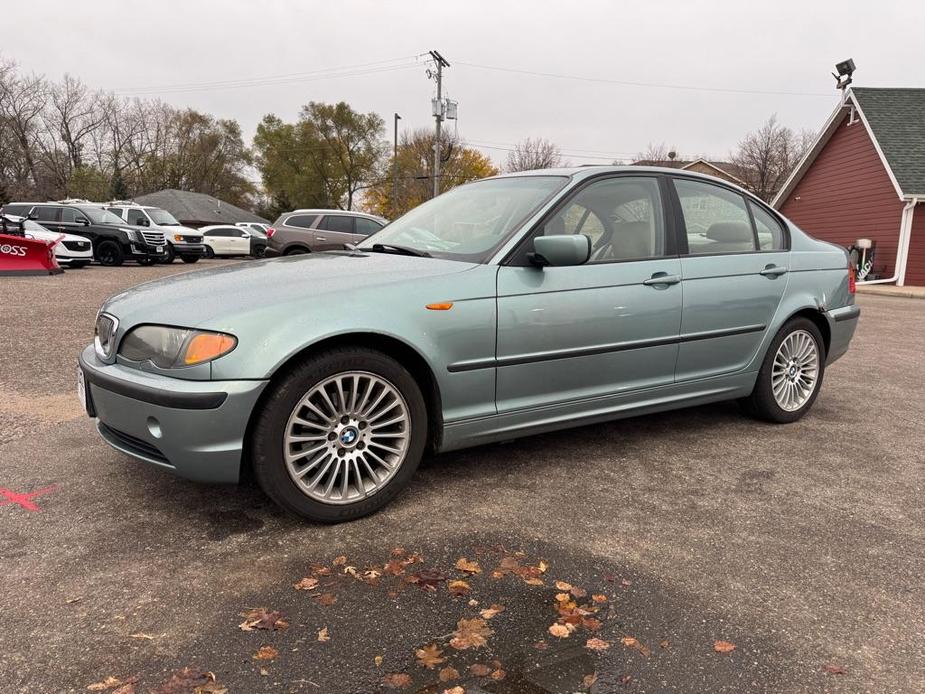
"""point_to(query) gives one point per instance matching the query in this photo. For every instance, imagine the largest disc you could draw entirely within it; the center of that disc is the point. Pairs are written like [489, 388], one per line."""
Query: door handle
[662, 278]
[773, 271]
[320, 238]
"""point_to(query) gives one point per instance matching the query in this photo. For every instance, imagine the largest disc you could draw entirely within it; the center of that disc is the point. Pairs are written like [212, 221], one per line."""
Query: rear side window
[336, 222]
[46, 214]
[367, 226]
[716, 219]
[303, 221]
[770, 233]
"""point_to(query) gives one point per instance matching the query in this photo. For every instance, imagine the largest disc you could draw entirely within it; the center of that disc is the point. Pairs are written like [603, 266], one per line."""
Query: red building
[864, 178]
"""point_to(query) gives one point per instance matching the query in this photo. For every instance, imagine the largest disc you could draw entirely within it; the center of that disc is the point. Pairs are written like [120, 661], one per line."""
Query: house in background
[197, 209]
[864, 178]
[721, 169]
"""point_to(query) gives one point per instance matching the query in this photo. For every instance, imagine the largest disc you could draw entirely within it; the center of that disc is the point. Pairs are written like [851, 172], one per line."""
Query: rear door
[335, 230]
[734, 265]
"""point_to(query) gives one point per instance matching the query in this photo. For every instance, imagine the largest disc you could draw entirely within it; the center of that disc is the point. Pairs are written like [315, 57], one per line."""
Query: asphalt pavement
[678, 535]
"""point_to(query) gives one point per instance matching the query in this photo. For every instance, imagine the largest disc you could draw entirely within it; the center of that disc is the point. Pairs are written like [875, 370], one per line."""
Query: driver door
[577, 334]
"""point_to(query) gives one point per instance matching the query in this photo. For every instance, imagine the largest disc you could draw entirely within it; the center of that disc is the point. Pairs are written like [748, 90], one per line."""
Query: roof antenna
[845, 70]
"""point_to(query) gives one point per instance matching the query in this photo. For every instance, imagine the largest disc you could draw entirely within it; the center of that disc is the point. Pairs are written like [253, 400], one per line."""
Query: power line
[653, 85]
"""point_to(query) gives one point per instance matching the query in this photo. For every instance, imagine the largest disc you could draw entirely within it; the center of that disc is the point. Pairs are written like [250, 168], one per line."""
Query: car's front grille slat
[132, 443]
[153, 238]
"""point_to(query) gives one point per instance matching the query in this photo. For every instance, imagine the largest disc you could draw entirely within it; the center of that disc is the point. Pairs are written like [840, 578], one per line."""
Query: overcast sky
[242, 59]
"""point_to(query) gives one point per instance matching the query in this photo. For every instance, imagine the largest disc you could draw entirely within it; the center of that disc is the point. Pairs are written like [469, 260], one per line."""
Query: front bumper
[191, 249]
[193, 428]
[144, 249]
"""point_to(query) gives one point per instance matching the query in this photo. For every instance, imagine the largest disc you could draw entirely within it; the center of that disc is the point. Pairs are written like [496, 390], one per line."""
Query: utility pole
[441, 63]
[395, 169]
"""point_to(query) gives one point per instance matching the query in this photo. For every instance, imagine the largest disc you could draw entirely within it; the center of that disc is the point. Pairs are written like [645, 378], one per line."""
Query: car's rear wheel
[340, 436]
[109, 253]
[209, 252]
[296, 251]
[189, 258]
[791, 374]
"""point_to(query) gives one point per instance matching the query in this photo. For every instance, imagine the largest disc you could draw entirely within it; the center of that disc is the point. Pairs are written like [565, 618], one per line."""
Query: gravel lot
[801, 544]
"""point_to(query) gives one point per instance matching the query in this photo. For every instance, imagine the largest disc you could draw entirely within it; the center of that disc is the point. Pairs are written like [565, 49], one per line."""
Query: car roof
[346, 213]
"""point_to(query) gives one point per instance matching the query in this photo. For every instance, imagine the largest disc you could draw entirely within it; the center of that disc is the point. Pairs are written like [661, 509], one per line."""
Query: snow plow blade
[24, 256]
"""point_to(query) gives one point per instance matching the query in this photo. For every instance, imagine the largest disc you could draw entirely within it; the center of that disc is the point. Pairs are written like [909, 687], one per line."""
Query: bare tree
[657, 152]
[22, 101]
[530, 154]
[766, 156]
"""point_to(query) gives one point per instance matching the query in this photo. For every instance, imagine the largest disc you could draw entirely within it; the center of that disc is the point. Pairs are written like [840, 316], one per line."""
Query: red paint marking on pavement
[24, 499]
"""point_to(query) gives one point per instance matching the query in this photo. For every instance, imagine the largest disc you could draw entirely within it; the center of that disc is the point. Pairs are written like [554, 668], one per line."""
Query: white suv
[182, 241]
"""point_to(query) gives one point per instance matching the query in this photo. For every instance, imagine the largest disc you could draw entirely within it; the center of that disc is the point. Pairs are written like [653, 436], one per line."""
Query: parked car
[304, 231]
[228, 240]
[506, 307]
[259, 229]
[113, 241]
[182, 241]
[73, 251]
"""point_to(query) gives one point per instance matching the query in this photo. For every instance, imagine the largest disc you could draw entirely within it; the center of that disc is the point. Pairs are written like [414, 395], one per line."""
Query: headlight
[177, 237]
[170, 348]
[132, 235]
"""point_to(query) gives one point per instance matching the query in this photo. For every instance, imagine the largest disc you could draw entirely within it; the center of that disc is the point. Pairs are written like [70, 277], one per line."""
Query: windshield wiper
[401, 250]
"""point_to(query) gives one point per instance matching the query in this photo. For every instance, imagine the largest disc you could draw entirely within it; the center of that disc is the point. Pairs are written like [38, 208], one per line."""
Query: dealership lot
[803, 545]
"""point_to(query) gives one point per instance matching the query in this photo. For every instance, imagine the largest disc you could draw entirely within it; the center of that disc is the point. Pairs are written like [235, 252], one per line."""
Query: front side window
[770, 233]
[622, 216]
[136, 217]
[98, 215]
[303, 221]
[367, 226]
[715, 218]
[70, 215]
[469, 222]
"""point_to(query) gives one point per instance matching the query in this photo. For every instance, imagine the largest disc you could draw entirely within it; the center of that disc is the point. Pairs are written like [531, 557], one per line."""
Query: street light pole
[441, 63]
[395, 169]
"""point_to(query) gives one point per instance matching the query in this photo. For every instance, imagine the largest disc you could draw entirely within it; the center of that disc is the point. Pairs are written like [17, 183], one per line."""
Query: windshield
[29, 225]
[470, 221]
[98, 215]
[163, 218]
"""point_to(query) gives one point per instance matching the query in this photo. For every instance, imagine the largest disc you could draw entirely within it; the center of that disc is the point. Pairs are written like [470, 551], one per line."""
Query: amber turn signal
[441, 306]
[206, 347]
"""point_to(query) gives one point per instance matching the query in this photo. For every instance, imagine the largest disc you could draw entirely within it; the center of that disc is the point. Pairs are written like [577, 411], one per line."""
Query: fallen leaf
[458, 588]
[145, 637]
[323, 634]
[589, 680]
[599, 598]
[127, 688]
[378, 660]
[479, 669]
[319, 570]
[534, 582]
[426, 579]
[394, 568]
[107, 683]
[590, 623]
[578, 592]
[339, 561]
[724, 646]
[473, 602]
[398, 552]
[306, 583]
[266, 653]
[430, 656]
[563, 586]
[448, 673]
[492, 611]
[597, 644]
[454, 690]
[264, 672]
[498, 675]
[563, 597]
[542, 566]
[664, 643]
[834, 669]
[561, 631]
[261, 618]
[326, 599]
[629, 642]
[396, 680]
[541, 645]
[185, 680]
[470, 567]
[470, 633]
[625, 583]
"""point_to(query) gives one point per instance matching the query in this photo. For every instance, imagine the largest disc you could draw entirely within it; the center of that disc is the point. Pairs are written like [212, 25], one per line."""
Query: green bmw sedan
[506, 307]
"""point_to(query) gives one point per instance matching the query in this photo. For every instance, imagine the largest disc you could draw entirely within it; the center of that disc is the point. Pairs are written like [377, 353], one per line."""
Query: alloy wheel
[795, 370]
[347, 437]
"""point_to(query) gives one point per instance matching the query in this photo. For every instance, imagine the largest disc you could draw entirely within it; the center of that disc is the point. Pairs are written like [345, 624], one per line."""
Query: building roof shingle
[897, 119]
[189, 207]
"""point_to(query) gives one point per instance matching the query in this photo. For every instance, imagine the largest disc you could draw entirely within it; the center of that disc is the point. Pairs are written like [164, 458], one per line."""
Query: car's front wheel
[109, 253]
[189, 258]
[209, 252]
[340, 435]
[791, 374]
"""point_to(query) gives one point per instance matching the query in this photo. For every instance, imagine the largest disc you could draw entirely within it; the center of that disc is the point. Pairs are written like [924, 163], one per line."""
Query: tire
[109, 253]
[793, 401]
[147, 261]
[171, 255]
[189, 258]
[209, 252]
[296, 251]
[284, 408]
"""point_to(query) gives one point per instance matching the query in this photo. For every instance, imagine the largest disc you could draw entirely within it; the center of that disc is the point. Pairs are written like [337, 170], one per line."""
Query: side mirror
[564, 249]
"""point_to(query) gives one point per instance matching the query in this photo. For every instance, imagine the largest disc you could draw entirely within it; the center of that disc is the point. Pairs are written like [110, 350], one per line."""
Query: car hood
[54, 235]
[203, 297]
